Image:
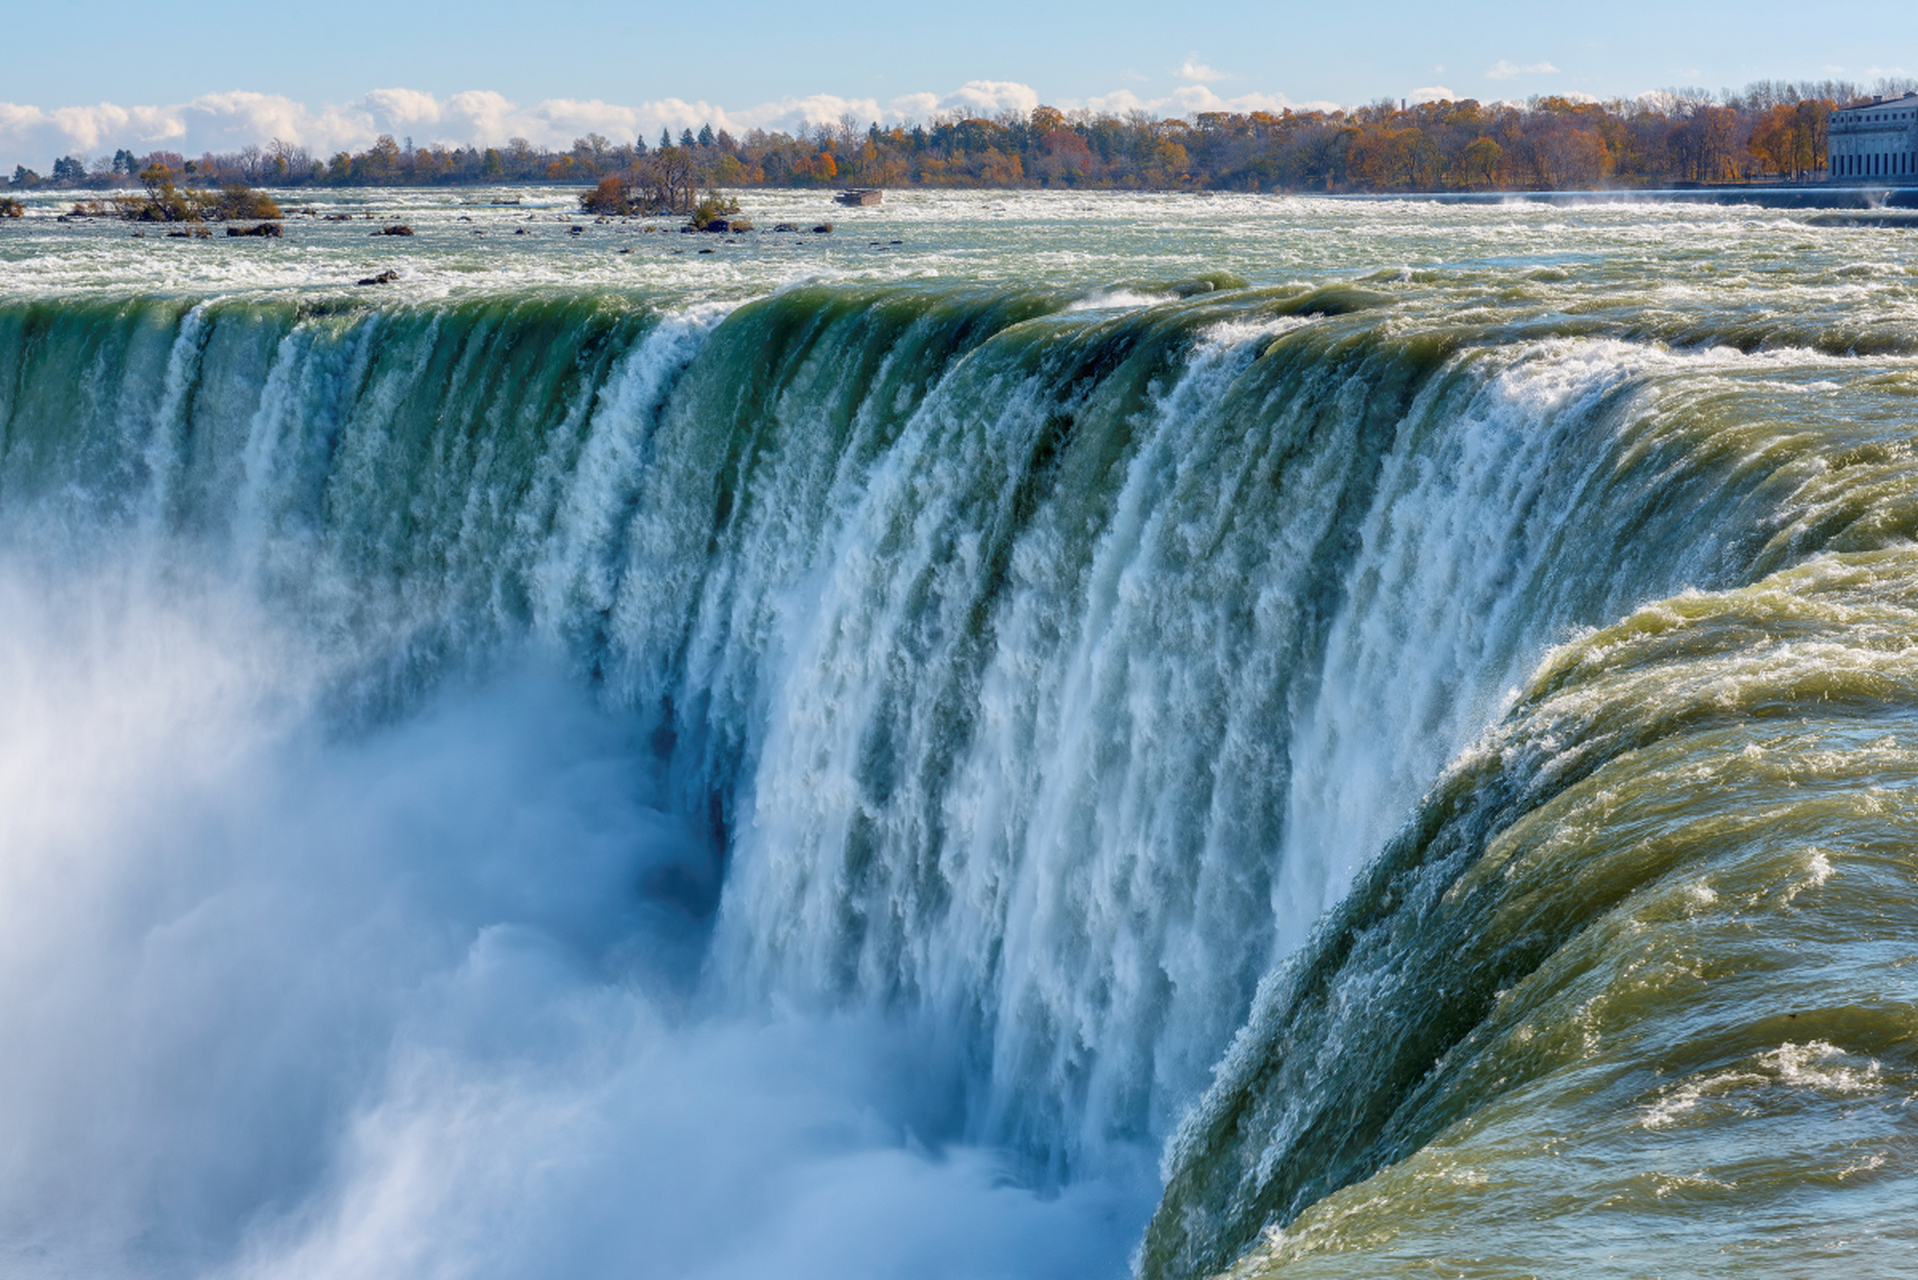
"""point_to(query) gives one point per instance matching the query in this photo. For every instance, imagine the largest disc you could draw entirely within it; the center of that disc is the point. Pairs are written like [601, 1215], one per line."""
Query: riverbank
[1819, 196]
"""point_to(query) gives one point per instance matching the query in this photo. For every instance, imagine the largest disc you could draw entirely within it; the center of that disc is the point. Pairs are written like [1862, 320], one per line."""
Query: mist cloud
[280, 999]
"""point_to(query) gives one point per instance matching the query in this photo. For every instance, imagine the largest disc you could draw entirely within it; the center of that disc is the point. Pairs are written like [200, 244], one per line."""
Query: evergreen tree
[706, 135]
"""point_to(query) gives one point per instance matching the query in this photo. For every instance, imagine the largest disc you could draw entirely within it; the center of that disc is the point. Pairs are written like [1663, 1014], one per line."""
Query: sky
[87, 76]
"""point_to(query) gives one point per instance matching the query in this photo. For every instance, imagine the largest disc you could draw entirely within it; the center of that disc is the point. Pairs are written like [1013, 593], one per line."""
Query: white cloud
[914, 106]
[228, 121]
[402, 106]
[1186, 100]
[985, 96]
[1116, 103]
[33, 136]
[1504, 70]
[1193, 97]
[1434, 93]
[1193, 69]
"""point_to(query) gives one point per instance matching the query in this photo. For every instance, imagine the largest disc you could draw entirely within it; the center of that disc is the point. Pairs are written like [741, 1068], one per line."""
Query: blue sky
[88, 75]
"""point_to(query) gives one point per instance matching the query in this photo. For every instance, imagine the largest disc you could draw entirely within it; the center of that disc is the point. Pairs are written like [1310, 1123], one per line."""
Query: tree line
[1768, 131]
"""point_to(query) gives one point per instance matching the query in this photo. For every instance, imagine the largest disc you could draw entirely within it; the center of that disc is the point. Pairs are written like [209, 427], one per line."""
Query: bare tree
[667, 180]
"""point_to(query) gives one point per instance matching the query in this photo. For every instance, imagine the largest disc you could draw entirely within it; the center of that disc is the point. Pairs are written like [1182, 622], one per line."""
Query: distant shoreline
[1794, 197]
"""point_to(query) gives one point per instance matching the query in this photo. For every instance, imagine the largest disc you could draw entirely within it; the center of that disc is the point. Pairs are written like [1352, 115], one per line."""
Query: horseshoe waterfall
[1142, 736]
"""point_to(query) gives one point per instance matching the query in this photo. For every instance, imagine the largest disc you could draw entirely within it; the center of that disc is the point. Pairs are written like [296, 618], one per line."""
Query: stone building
[1876, 139]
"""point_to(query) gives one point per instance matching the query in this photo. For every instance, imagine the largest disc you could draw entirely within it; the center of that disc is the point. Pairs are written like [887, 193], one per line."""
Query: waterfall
[1027, 681]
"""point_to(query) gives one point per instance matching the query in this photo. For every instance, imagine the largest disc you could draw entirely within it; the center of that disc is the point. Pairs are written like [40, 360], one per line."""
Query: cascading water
[847, 757]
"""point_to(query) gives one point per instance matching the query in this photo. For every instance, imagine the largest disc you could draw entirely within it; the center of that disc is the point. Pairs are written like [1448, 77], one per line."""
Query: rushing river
[1028, 736]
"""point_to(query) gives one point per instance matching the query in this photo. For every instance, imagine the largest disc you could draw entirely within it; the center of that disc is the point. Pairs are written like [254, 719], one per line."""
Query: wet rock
[397, 229]
[270, 229]
[384, 277]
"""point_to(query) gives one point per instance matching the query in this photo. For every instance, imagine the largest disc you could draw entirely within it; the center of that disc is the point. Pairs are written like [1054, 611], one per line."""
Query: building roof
[1878, 103]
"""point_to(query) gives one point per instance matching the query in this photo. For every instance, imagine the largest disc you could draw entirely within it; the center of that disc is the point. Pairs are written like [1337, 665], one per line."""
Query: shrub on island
[716, 208]
[164, 202]
[666, 181]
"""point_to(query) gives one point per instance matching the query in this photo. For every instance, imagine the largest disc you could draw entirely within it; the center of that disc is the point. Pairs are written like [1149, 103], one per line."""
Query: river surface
[1026, 735]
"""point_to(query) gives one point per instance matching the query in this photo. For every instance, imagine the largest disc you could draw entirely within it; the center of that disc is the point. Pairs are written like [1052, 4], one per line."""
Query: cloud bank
[1193, 69]
[228, 121]
[1503, 70]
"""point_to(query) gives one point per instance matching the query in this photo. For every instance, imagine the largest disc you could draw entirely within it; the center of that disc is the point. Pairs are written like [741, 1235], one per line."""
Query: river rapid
[1029, 735]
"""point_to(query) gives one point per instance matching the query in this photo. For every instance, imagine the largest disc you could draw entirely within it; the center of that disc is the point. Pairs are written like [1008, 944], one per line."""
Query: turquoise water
[1382, 729]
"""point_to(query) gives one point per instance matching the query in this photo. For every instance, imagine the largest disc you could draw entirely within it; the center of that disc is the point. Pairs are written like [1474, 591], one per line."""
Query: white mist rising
[278, 1000]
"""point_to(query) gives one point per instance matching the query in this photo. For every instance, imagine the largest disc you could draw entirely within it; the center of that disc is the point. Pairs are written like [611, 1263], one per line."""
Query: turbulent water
[1388, 732]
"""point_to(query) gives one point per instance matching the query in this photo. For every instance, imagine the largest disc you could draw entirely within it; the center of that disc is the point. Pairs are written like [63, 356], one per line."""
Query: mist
[284, 995]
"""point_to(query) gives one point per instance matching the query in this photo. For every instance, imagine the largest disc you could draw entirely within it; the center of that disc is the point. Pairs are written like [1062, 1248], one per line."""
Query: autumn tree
[1479, 163]
[1045, 121]
[1789, 138]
